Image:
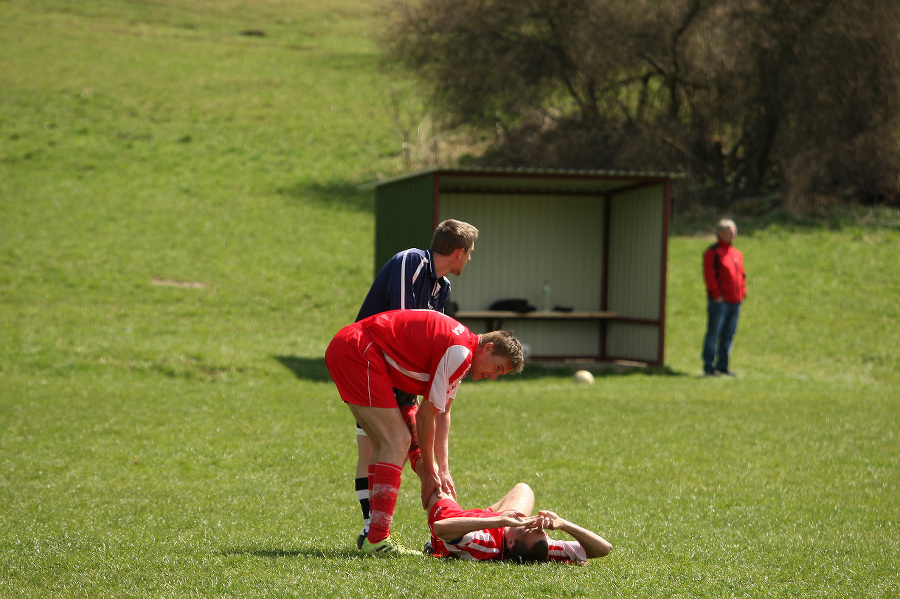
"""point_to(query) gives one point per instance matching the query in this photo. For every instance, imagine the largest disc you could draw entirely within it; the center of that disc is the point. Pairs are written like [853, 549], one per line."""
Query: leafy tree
[747, 96]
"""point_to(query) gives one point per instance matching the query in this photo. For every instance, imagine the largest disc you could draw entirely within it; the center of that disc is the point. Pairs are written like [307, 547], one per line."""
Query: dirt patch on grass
[176, 283]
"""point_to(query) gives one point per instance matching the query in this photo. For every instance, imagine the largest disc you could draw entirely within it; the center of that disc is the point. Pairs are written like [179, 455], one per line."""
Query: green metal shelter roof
[530, 180]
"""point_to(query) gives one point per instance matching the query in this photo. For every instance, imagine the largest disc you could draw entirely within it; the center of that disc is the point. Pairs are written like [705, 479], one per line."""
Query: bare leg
[387, 433]
[364, 447]
[520, 498]
[390, 442]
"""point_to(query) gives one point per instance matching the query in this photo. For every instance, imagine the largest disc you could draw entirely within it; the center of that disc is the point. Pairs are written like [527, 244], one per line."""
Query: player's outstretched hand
[429, 488]
[516, 519]
[548, 520]
[430, 483]
[447, 485]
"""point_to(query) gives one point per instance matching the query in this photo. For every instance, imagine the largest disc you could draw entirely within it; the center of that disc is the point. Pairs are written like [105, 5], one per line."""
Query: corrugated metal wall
[526, 240]
[404, 217]
[630, 341]
[535, 229]
[635, 263]
[635, 253]
[523, 241]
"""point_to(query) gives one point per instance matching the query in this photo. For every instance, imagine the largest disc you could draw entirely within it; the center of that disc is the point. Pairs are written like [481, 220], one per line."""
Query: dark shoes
[709, 372]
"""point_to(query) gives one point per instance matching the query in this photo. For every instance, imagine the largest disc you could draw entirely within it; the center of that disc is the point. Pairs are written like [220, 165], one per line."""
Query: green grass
[167, 441]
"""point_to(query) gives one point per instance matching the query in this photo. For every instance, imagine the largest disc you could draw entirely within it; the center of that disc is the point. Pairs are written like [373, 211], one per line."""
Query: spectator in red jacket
[726, 288]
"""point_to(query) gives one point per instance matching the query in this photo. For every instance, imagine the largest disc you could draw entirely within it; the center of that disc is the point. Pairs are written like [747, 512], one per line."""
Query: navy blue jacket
[406, 281]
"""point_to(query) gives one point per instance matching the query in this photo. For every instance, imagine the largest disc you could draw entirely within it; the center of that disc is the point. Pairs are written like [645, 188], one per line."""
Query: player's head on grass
[525, 545]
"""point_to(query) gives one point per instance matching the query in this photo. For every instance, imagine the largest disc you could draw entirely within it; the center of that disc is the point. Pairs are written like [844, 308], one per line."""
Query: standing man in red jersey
[421, 352]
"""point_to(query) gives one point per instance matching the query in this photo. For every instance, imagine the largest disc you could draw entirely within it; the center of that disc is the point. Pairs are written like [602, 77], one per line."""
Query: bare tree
[750, 96]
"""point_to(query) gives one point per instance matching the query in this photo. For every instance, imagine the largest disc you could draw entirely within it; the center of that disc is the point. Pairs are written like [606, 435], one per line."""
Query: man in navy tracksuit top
[412, 279]
[408, 280]
[726, 288]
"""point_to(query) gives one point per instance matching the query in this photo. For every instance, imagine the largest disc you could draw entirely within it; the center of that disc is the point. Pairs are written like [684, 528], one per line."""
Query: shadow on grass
[345, 554]
[332, 194]
[565, 371]
[307, 369]
[314, 369]
[311, 552]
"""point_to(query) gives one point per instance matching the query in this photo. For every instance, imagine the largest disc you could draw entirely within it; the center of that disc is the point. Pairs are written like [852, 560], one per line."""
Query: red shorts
[358, 368]
[436, 512]
[448, 508]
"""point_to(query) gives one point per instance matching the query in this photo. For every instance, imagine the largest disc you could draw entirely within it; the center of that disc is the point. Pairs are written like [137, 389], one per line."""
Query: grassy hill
[181, 235]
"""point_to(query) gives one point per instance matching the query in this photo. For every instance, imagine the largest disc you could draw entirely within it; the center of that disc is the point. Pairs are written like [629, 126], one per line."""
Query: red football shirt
[487, 544]
[427, 352]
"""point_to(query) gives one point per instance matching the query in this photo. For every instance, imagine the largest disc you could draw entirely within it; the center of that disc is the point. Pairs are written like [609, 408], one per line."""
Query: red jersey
[723, 271]
[427, 352]
[487, 544]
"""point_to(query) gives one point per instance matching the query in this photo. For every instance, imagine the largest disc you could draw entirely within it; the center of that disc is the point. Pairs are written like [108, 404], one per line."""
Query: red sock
[383, 500]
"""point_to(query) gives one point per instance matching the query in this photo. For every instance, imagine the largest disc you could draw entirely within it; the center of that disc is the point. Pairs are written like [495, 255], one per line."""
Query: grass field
[180, 236]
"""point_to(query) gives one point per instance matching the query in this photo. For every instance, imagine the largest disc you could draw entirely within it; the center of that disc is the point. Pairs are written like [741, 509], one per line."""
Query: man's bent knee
[396, 447]
[523, 488]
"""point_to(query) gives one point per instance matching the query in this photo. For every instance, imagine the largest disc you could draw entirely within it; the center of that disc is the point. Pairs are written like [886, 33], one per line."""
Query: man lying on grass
[507, 531]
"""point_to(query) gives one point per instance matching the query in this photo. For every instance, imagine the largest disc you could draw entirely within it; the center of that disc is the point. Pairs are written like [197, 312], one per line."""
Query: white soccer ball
[583, 377]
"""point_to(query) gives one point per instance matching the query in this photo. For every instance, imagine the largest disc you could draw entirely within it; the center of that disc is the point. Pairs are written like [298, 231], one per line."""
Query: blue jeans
[720, 327]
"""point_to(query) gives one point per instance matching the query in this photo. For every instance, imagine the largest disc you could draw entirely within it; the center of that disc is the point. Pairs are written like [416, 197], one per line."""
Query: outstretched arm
[451, 529]
[594, 545]
[425, 430]
[442, 451]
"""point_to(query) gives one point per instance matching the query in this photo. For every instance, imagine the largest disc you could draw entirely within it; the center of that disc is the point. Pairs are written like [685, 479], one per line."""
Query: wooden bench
[496, 318]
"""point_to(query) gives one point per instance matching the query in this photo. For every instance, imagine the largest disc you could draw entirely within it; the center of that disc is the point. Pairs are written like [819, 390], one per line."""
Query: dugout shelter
[586, 249]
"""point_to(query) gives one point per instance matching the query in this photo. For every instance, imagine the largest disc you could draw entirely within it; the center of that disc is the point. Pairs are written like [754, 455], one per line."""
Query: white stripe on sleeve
[403, 281]
[442, 388]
